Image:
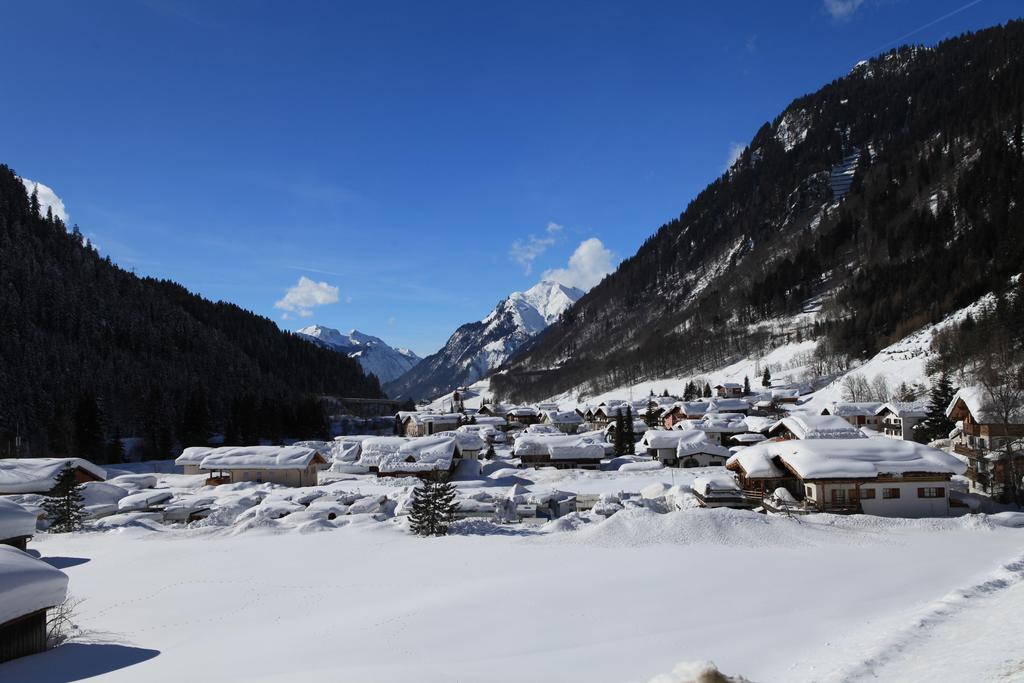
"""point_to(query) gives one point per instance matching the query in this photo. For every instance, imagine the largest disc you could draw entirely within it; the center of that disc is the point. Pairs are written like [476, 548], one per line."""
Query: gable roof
[816, 427]
[904, 409]
[850, 458]
[39, 475]
[261, 458]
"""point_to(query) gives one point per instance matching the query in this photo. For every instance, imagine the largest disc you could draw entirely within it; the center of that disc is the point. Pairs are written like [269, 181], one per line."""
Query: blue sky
[414, 162]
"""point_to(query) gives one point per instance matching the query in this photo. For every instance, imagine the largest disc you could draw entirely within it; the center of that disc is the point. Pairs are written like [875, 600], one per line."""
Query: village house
[813, 427]
[567, 422]
[606, 413]
[494, 410]
[191, 457]
[695, 449]
[524, 415]
[662, 444]
[425, 424]
[639, 429]
[785, 395]
[864, 414]
[897, 419]
[560, 451]
[373, 450]
[28, 588]
[284, 465]
[17, 525]
[882, 477]
[729, 405]
[685, 410]
[992, 443]
[729, 390]
[429, 456]
[39, 475]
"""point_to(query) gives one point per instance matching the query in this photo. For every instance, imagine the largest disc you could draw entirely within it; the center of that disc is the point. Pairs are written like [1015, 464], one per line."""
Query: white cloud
[526, 252]
[305, 295]
[48, 199]
[735, 150]
[842, 9]
[588, 264]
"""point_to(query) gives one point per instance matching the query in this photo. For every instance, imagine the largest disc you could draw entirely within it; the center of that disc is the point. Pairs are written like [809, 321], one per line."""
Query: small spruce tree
[433, 508]
[620, 433]
[707, 389]
[64, 506]
[766, 378]
[746, 385]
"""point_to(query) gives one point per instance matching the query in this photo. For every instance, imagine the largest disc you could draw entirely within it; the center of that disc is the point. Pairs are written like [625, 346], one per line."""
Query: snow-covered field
[583, 598]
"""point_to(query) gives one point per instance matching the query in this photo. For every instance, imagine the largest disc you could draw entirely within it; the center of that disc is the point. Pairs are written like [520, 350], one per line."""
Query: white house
[425, 456]
[567, 422]
[897, 419]
[862, 414]
[882, 477]
[695, 449]
[191, 457]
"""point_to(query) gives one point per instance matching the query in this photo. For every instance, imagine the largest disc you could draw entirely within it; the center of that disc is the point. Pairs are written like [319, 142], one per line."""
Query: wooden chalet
[992, 444]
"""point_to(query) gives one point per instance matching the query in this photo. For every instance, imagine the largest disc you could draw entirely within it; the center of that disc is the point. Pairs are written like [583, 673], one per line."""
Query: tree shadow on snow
[485, 527]
[74, 662]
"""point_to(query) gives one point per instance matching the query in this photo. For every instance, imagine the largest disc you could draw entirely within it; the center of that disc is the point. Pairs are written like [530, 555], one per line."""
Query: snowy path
[773, 599]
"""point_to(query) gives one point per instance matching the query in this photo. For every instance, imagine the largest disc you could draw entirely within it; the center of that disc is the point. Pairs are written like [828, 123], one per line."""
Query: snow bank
[27, 585]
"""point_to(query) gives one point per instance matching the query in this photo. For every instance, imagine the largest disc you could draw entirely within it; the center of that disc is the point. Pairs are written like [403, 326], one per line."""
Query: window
[890, 493]
[931, 492]
[810, 491]
[867, 494]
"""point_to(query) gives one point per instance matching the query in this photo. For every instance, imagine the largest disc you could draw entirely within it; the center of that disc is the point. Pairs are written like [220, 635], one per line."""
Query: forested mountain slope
[89, 352]
[890, 197]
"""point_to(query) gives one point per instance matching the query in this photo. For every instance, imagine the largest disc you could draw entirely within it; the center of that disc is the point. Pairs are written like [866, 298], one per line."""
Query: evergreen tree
[936, 425]
[707, 389]
[651, 418]
[433, 508]
[629, 435]
[64, 506]
[664, 394]
[746, 385]
[620, 433]
[490, 454]
[766, 378]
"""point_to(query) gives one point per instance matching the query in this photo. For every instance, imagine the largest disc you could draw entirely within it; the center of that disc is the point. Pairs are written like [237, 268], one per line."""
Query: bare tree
[856, 388]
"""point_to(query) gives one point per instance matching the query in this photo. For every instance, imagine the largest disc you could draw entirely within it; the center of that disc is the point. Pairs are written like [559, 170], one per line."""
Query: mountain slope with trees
[931, 221]
[90, 353]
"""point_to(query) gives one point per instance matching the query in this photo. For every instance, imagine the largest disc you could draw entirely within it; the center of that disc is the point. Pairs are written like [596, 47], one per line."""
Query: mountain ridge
[375, 355]
[476, 348]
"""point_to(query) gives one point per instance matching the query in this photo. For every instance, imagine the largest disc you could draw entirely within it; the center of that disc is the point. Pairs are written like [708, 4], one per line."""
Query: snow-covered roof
[28, 585]
[785, 393]
[539, 444]
[494, 420]
[693, 407]
[373, 450]
[663, 438]
[729, 385]
[580, 449]
[425, 454]
[817, 427]
[260, 458]
[980, 406]
[38, 475]
[568, 417]
[854, 458]
[424, 418]
[193, 455]
[522, 411]
[862, 409]
[728, 405]
[711, 484]
[904, 409]
[541, 429]
[749, 438]
[755, 463]
[15, 521]
[757, 423]
[695, 441]
[466, 441]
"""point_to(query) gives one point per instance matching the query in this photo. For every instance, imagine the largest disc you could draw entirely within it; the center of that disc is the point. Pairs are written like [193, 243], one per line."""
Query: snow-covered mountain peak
[373, 353]
[537, 307]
